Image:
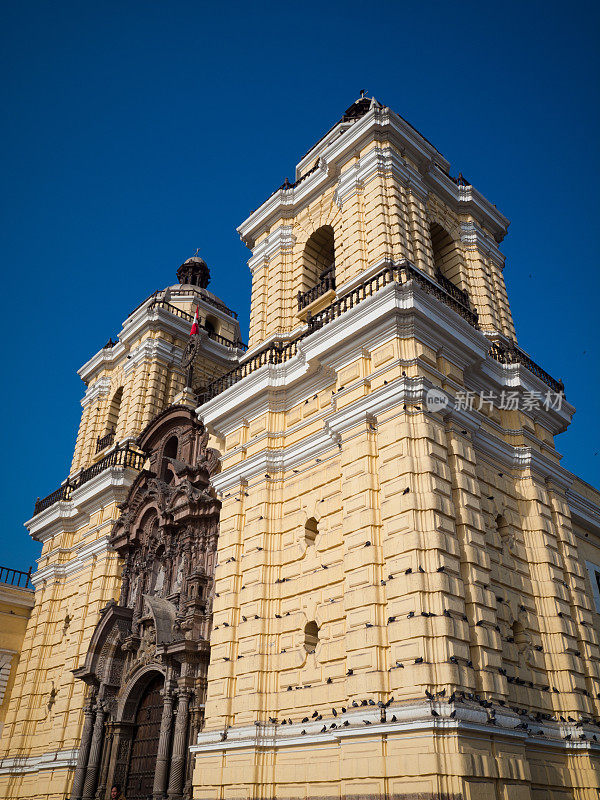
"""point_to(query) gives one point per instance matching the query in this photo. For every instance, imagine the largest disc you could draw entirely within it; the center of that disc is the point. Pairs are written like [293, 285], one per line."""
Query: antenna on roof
[196, 253]
[362, 93]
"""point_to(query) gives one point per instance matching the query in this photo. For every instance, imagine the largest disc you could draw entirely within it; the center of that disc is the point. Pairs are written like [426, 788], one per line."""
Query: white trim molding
[55, 759]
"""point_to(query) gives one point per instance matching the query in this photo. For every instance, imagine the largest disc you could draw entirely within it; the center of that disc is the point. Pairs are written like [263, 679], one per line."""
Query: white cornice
[376, 124]
[145, 319]
[280, 239]
[411, 718]
[466, 199]
[585, 512]
[99, 388]
[109, 486]
[395, 311]
[80, 556]
[474, 238]
[57, 759]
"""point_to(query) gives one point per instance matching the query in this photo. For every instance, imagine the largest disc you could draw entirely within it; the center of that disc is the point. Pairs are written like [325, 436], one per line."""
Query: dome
[194, 272]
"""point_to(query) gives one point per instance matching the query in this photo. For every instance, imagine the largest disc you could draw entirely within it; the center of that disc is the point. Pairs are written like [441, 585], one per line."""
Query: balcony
[401, 273]
[326, 284]
[511, 354]
[105, 441]
[123, 456]
[14, 577]
[178, 312]
[458, 294]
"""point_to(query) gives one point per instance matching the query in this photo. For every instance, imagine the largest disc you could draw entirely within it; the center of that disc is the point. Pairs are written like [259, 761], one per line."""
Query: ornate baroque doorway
[148, 657]
[144, 747]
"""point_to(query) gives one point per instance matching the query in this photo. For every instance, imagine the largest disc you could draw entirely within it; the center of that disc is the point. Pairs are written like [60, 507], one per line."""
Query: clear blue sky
[135, 132]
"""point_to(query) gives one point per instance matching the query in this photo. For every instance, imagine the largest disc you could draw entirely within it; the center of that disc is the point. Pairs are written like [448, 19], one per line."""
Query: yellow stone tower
[407, 583]
[128, 383]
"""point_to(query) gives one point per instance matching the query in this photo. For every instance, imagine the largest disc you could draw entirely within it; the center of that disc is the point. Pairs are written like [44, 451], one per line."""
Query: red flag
[196, 325]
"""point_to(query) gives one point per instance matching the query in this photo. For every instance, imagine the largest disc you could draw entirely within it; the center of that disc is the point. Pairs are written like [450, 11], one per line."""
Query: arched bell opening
[318, 266]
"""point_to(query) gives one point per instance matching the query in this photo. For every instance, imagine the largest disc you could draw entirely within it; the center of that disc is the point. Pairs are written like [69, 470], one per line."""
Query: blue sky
[135, 132]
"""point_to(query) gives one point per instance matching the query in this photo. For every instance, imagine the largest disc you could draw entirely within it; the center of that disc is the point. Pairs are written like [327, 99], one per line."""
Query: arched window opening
[310, 531]
[113, 411]
[447, 257]
[170, 451]
[311, 636]
[211, 325]
[318, 266]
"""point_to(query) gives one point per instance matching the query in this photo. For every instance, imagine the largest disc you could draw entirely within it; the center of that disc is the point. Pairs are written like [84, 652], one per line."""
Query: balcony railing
[278, 352]
[458, 294]
[105, 441]
[326, 283]
[178, 312]
[454, 298]
[15, 577]
[121, 457]
[511, 354]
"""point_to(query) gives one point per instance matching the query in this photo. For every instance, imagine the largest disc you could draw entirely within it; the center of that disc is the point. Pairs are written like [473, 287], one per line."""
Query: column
[91, 775]
[177, 775]
[84, 749]
[164, 741]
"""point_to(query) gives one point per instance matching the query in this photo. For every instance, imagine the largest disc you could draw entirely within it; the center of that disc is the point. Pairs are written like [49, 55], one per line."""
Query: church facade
[345, 563]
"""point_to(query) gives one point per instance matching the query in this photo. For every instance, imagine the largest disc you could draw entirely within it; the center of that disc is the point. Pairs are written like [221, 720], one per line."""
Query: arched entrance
[144, 746]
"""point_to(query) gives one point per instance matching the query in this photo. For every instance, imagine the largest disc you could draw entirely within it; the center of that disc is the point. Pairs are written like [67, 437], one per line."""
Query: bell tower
[396, 537]
[128, 383]
[371, 192]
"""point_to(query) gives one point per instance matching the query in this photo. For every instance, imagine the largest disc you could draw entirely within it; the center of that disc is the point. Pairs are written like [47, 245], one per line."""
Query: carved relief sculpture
[147, 662]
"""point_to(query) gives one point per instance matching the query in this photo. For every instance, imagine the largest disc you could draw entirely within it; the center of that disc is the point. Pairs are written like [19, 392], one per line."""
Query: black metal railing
[178, 312]
[326, 284]
[123, 456]
[278, 352]
[511, 354]
[458, 294]
[15, 577]
[105, 441]
[210, 299]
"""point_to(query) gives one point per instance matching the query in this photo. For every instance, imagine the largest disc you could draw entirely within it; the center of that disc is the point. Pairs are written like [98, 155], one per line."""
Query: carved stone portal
[148, 657]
